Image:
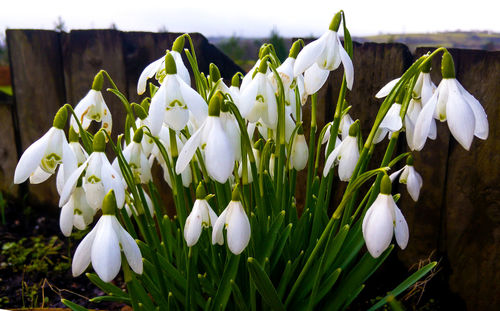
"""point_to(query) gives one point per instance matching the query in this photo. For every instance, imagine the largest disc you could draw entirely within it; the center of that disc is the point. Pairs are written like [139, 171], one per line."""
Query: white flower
[173, 102]
[76, 213]
[258, 100]
[102, 246]
[136, 159]
[92, 107]
[232, 129]
[411, 178]
[391, 123]
[201, 215]
[346, 154]
[299, 153]
[321, 56]
[452, 103]
[381, 220]
[40, 160]
[100, 177]
[217, 146]
[236, 222]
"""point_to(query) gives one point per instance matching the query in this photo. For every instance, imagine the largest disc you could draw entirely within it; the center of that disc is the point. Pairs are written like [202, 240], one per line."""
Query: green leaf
[73, 306]
[264, 285]
[108, 288]
[224, 290]
[412, 279]
[328, 284]
[238, 297]
[111, 298]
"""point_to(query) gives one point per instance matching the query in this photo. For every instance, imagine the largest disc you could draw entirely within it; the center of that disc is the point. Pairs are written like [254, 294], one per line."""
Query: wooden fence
[458, 212]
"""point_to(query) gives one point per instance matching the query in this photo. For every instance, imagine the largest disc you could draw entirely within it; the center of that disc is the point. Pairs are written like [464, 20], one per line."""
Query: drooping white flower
[299, 153]
[346, 154]
[410, 177]
[40, 160]
[99, 178]
[136, 159]
[391, 123]
[103, 245]
[382, 219]
[236, 222]
[258, 100]
[173, 102]
[214, 141]
[158, 66]
[452, 103]
[201, 216]
[76, 213]
[321, 56]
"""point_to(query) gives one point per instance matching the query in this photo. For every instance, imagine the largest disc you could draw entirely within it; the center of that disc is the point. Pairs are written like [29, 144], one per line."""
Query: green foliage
[279, 44]
[232, 47]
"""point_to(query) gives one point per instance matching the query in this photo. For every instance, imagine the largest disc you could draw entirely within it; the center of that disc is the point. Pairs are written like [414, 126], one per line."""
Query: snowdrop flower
[100, 177]
[136, 159]
[300, 153]
[130, 206]
[93, 107]
[236, 222]
[214, 141]
[263, 51]
[80, 155]
[103, 245]
[258, 101]
[234, 89]
[452, 103]
[143, 121]
[381, 220]
[40, 160]
[158, 65]
[345, 124]
[391, 123]
[76, 213]
[201, 216]
[174, 100]
[217, 81]
[321, 56]
[346, 154]
[410, 177]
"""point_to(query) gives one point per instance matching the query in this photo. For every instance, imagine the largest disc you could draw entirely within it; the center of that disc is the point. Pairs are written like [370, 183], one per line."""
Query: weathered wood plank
[39, 92]
[8, 152]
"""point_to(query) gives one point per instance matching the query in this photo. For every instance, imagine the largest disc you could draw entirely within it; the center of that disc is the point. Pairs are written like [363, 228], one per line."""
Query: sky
[254, 18]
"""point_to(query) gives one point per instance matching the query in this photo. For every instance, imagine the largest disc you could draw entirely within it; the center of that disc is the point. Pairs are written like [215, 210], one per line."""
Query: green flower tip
[60, 118]
[235, 81]
[409, 160]
[138, 135]
[335, 24]
[170, 66]
[300, 130]
[296, 47]
[235, 196]
[201, 194]
[139, 111]
[447, 66]
[215, 105]
[386, 185]
[264, 50]
[98, 82]
[214, 72]
[426, 66]
[178, 44]
[354, 129]
[109, 203]
[73, 135]
[99, 143]
[145, 104]
[259, 144]
[263, 66]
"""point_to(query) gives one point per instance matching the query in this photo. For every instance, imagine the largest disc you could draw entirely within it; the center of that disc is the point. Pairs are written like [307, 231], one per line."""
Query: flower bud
[235, 81]
[214, 72]
[263, 67]
[139, 111]
[385, 185]
[447, 66]
[99, 143]
[145, 104]
[170, 66]
[109, 203]
[60, 118]
[98, 81]
[335, 24]
[178, 44]
[264, 50]
[296, 47]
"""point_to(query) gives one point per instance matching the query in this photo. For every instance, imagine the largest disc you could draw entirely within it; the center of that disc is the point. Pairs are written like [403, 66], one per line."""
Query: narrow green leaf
[328, 284]
[238, 297]
[73, 306]
[108, 288]
[264, 285]
[111, 298]
[271, 236]
[224, 289]
[353, 296]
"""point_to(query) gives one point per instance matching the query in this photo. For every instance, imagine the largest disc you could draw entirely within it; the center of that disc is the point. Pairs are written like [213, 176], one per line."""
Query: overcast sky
[254, 18]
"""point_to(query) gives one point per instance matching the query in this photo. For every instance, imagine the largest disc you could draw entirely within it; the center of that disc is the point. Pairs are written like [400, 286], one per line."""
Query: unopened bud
[139, 111]
[236, 80]
[178, 44]
[296, 47]
[98, 82]
[60, 118]
[214, 72]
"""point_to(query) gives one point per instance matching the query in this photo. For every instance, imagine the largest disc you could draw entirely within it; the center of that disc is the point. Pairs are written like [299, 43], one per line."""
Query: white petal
[482, 128]
[31, 158]
[331, 159]
[147, 73]
[248, 96]
[39, 176]
[395, 175]
[105, 253]
[379, 226]
[309, 54]
[460, 118]
[314, 78]
[81, 258]
[111, 180]
[401, 229]
[217, 234]
[157, 110]
[348, 158]
[348, 66]
[219, 154]
[193, 101]
[181, 68]
[414, 183]
[66, 218]
[271, 117]
[423, 124]
[392, 120]
[70, 184]
[129, 246]
[386, 89]
[192, 228]
[189, 150]
[300, 153]
[238, 228]
[69, 159]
